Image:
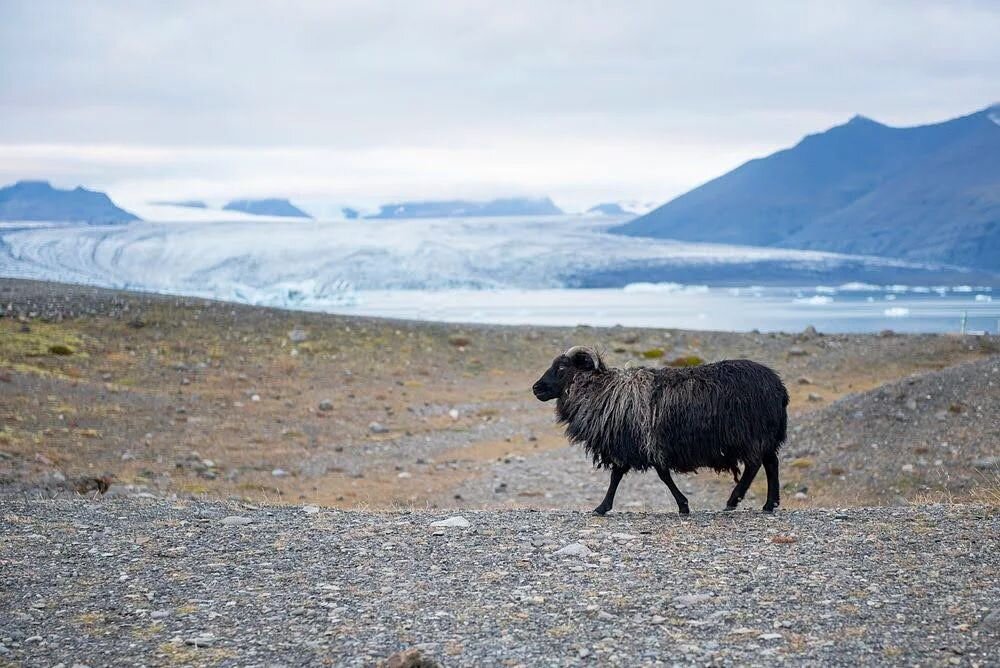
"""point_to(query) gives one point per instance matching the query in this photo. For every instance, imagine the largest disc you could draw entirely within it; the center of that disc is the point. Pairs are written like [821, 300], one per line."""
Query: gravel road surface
[151, 582]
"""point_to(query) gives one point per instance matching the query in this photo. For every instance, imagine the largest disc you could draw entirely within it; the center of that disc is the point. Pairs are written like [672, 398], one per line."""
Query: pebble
[992, 620]
[815, 397]
[236, 520]
[454, 521]
[574, 550]
[310, 510]
[770, 636]
[377, 428]
[453, 413]
[691, 599]
[409, 658]
[326, 405]
[159, 614]
[201, 640]
[280, 473]
[987, 463]
[297, 335]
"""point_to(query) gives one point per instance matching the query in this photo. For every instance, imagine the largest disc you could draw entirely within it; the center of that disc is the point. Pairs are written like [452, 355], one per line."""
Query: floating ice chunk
[896, 312]
[815, 300]
[666, 287]
[855, 286]
[984, 298]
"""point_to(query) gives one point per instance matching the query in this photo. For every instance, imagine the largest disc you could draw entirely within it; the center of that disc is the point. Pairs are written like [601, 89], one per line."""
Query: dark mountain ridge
[271, 206]
[929, 193]
[39, 201]
[512, 206]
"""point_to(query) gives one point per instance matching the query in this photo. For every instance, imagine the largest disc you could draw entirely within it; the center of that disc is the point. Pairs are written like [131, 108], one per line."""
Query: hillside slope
[929, 193]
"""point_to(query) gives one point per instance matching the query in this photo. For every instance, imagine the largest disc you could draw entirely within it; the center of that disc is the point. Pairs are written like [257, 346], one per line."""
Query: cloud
[572, 93]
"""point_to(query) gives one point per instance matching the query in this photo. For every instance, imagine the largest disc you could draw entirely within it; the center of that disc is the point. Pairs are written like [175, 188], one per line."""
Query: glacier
[541, 270]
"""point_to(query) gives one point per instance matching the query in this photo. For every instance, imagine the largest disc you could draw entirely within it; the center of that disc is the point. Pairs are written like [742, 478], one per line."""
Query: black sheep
[715, 416]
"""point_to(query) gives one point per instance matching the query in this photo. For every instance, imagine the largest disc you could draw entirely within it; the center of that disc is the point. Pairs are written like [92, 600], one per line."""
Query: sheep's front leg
[609, 499]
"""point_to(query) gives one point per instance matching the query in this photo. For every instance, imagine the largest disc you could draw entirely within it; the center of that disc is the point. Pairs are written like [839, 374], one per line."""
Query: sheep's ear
[584, 360]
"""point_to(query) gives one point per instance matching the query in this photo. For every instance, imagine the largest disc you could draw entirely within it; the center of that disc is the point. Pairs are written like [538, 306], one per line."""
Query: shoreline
[832, 310]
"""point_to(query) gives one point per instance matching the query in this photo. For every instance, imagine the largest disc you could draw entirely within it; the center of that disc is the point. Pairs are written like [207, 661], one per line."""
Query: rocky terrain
[152, 582]
[201, 483]
[185, 397]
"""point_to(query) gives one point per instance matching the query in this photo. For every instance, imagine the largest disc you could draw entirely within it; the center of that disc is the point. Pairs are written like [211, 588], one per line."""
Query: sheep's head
[560, 375]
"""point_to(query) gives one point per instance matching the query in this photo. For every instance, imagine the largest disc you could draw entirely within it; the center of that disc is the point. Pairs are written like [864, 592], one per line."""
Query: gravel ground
[144, 581]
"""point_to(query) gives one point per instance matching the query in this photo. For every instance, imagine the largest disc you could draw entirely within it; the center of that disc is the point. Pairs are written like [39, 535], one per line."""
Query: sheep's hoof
[768, 507]
[683, 510]
[730, 508]
[600, 511]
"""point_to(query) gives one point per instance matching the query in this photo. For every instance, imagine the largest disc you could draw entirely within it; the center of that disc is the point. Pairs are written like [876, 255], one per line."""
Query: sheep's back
[717, 414]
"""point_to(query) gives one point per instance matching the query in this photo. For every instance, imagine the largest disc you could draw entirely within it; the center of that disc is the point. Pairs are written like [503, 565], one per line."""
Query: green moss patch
[686, 360]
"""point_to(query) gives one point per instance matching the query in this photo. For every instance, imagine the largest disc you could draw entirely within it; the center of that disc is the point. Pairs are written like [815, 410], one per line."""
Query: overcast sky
[370, 101]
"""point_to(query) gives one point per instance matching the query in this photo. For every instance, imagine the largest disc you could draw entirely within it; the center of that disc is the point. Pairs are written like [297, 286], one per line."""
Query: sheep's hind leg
[617, 473]
[749, 471]
[682, 502]
[773, 489]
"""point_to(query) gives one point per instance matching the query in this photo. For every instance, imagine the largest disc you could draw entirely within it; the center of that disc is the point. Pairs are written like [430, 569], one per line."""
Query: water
[544, 271]
[692, 307]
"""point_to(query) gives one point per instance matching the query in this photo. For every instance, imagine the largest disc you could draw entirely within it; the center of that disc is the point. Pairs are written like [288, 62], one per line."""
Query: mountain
[514, 206]
[38, 200]
[609, 209]
[187, 203]
[267, 207]
[927, 193]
